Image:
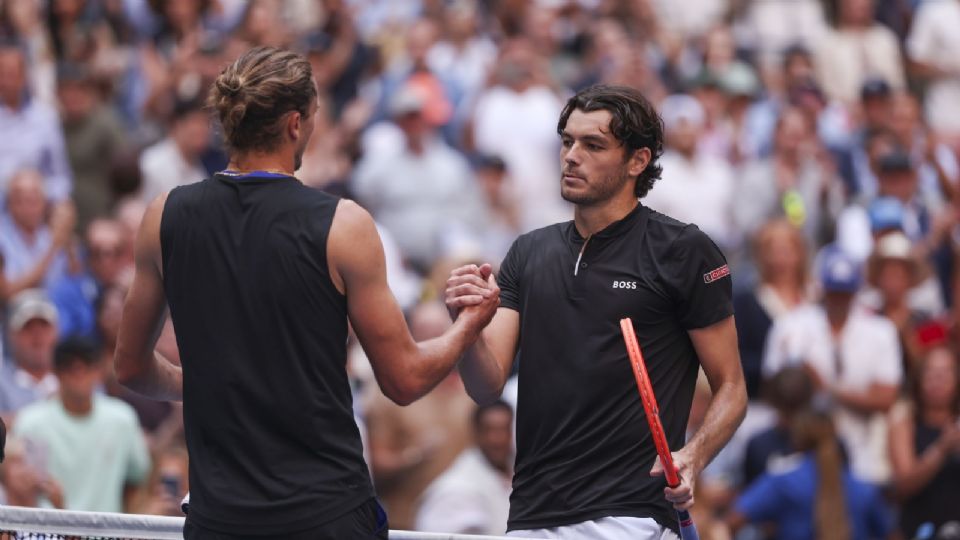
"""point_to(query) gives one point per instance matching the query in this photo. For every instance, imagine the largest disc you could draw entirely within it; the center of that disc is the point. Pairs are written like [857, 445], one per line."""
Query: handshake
[472, 295]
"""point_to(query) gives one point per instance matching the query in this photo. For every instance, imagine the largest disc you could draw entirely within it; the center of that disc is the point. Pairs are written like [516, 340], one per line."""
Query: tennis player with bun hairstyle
[586, 466]
[262, 275]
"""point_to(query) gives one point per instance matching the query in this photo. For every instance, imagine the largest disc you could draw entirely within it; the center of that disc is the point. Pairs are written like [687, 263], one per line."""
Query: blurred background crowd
[816, 142]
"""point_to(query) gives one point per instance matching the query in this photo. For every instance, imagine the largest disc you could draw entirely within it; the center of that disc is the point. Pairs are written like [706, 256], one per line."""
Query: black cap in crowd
[875, 88]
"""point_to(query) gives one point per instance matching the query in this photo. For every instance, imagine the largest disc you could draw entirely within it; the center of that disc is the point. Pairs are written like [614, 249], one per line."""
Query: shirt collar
[615, 229]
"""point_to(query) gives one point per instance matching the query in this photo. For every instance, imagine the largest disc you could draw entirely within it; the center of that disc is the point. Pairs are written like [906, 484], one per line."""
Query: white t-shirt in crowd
[471, 497]
[163, 168]
[699, 191]
[867, 352]
[520, 127]
[934, 39]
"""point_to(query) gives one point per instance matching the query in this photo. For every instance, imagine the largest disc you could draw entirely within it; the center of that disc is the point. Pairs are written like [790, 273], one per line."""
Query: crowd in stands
[817, 142]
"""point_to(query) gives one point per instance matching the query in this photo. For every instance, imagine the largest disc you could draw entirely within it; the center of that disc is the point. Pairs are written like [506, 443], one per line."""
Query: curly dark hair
[635, 124]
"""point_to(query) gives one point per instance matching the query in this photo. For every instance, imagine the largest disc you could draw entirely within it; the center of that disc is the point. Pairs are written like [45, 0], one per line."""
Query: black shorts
[367, 521]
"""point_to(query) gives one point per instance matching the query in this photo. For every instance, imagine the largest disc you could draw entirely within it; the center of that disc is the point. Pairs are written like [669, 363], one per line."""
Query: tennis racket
[688, 531]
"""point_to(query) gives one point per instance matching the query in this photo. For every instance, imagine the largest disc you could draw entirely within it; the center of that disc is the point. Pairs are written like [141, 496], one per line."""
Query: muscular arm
[716, 346]
[137, 365]
[404, 369]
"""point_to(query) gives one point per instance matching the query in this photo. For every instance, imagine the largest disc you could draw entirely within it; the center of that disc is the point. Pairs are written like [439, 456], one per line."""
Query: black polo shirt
[583, 445]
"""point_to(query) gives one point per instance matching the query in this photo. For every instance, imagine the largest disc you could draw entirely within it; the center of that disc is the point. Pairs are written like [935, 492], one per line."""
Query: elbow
[401, 398]
[485, 396]
[126, 371]
[402, 393]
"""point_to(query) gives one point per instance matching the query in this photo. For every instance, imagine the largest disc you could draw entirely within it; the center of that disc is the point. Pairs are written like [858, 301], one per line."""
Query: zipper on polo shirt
[576, 265]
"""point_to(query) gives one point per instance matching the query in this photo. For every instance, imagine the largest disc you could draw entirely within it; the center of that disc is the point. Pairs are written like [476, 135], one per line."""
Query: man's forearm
[724, 414]
[161, 380]
[482, 377]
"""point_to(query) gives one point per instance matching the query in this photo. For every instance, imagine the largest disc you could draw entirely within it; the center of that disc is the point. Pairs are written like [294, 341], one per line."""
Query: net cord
[139, 527]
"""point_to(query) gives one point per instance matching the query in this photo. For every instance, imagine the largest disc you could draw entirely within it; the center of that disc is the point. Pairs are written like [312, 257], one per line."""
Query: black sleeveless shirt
[262, 333]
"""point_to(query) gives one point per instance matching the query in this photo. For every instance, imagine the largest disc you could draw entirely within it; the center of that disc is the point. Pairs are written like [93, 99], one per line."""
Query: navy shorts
[367, 521]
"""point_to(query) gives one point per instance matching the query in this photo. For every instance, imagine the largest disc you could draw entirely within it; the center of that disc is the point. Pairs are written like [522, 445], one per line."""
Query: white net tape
[43, 524]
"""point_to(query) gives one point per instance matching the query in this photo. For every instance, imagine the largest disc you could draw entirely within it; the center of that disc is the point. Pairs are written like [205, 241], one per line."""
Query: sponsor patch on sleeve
[714, 275]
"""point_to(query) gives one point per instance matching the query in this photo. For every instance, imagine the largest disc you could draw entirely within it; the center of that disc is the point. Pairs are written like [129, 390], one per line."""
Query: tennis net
[18, 523]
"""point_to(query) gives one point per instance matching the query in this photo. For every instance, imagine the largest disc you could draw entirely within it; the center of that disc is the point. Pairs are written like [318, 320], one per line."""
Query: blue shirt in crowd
[787, 499]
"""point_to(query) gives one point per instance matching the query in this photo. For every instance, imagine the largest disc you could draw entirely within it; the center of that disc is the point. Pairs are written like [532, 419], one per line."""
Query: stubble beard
[599, 192]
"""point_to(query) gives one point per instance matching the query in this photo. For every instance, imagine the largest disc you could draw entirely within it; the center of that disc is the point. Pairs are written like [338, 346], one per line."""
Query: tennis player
[585, 465]
[261, 275]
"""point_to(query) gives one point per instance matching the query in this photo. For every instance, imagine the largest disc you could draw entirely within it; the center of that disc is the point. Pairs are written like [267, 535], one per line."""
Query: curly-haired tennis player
[584, 454]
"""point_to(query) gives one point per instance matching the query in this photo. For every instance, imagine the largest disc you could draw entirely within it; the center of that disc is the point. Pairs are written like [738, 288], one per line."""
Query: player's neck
[590, 219]
[272, 162]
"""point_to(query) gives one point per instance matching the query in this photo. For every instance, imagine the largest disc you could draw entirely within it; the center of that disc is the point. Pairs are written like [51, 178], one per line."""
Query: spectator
[424, 187]
[76, 295]
[340, 59]
[689, 20]
[502, 224]
[30, 134]
[411, 446]
[473, 495]
[782, 261]
[856, 49]
[24, 480]
[94, 138]
[790, 392]
[853, 357]
[937, 165]
[176, 159]
[933, 46]
[462, 51]
[895, 272]
[168, 484]
[816, 496]
[93, 443]
[776, 25]
[24, 21]
[28, 376]
[154, 416]
[897, 179]
[515, 118]
[441, 94]
[686, 170]
[33, 252]
[925, 445]
[793, 183]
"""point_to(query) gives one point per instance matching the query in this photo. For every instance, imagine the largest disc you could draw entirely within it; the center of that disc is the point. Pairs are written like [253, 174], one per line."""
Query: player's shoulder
[548, 232]
[661, 227]
[669, 235]
[543, 236]
[352, 225]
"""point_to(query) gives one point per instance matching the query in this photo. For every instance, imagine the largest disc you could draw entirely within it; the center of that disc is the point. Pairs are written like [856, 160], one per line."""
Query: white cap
[894, 245]
[29, 305]
[681, 108]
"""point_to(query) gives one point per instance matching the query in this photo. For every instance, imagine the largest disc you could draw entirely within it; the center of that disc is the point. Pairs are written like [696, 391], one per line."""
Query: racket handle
[688, 531]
